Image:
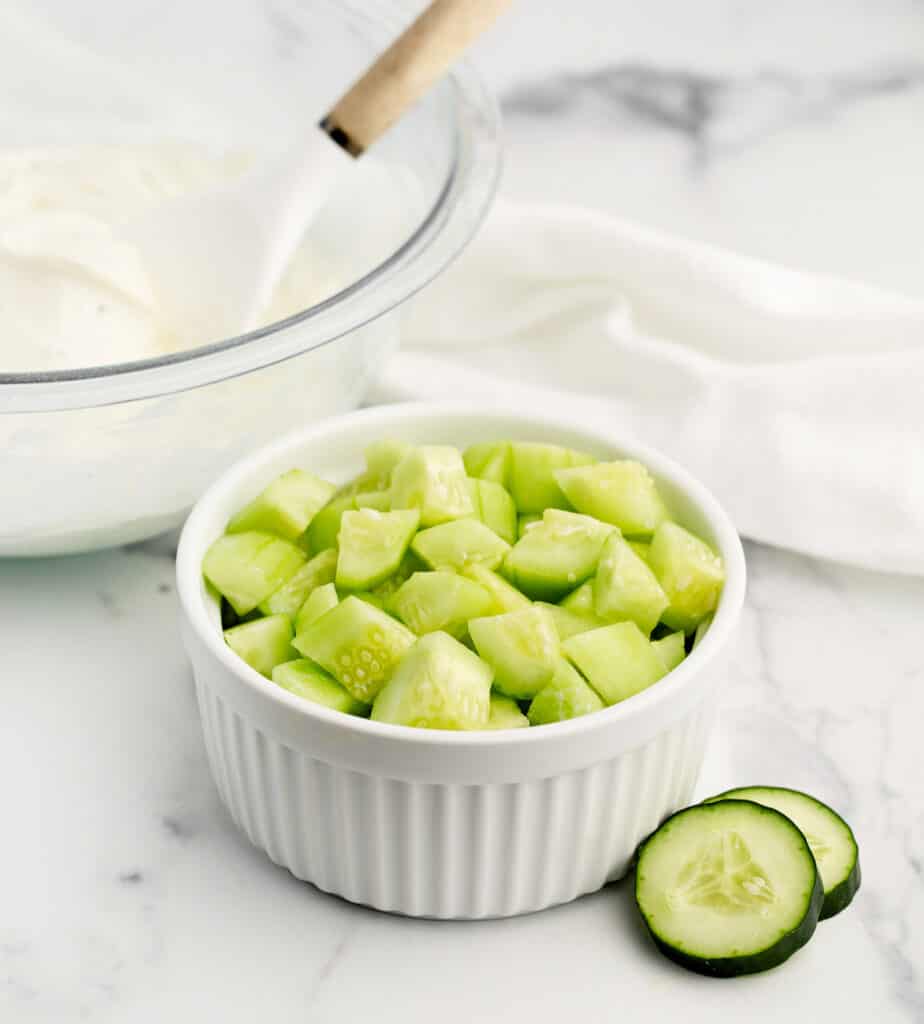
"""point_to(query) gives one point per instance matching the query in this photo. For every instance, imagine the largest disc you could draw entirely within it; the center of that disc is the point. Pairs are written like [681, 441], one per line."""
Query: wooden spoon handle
[407, 69]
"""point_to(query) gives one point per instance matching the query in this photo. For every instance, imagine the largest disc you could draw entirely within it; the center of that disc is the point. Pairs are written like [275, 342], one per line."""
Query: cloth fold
[797, 398]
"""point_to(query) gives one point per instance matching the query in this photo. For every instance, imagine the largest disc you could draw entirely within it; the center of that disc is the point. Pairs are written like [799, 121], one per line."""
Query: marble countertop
[128, 895]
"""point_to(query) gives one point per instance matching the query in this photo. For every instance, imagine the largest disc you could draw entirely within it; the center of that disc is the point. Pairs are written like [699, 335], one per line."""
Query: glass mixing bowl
[107, 455]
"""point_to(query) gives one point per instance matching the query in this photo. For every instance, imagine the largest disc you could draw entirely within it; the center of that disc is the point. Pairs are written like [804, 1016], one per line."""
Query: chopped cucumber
[728, 888]
[581, 600]
[618, 661]
[305, 679]
[294, 592]
[359, 644]
[286, 507]
[488, 461]
[372, 545]
[554, 556]
[532, 474]
[439, 684]
[452, 545]
[495, 508]
[505, 713]
[521, 647]
[671, 649]
[325, 527]
[379, 500]
[263, 643]
[383, 456]
[625, 588]
[504, 597]
[622, 493]
[830, 839]
[567, 695]
[247, 567]
[431, 601]
[432, 479]
[569, 623]
[641, 548]
[690, 573]
[701, 630]
[525, 523]
[409, 565]
[319, 601]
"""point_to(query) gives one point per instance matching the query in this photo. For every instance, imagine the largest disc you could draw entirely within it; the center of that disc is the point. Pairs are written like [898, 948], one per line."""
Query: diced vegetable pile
[514, 584]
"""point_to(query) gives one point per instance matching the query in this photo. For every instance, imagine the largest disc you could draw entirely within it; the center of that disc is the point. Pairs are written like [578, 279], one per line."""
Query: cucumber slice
[618, 661]
[554, 556]
[566, 696]
[505, 713]
[383, 456]
[431, 601]
[671, 649]
[625, 588]
[325, 527]
[286, 507]
[379, 500]
[294, 592]
[488, 461]
[525, 522]
[247, 567]
[359, 644]
[728, 888]
[580, 600]
[439, 684]
[432, 479]
[690, 573]
[532, 474]
[830, 839]
[305, 679]
[495, 508]
[504, 597]
[263, 643]
[319, 601]
[452, 545]
[569, 623]
[622, 493]
[522, 647]
[372, 545]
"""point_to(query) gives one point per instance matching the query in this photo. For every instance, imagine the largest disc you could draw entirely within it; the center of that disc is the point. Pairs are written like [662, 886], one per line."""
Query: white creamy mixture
[73, 293]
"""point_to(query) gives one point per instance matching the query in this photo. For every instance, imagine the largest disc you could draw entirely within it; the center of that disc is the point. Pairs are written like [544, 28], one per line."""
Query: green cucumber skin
[752, 963]
[841, 896]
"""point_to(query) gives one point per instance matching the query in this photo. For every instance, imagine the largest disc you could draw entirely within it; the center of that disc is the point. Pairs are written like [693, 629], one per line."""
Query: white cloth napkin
[798, 398]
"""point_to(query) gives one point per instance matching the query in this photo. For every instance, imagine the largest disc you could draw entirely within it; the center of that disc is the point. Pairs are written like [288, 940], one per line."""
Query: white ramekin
[444, 824]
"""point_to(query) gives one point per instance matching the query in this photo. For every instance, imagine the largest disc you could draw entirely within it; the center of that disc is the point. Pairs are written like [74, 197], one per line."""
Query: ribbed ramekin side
[448, 851]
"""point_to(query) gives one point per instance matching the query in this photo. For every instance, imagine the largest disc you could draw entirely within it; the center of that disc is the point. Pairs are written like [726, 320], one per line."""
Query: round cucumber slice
[830, 839]
[728, 888]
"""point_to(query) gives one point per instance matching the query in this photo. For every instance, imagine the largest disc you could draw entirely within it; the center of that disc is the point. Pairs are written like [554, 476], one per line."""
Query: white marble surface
[790, 131]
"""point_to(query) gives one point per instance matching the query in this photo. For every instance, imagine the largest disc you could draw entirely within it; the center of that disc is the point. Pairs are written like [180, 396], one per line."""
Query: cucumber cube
[372, 545]
[701, 630]
[504, 597]
[247, 567]
[432, 479]
[431, 601]
[670, 649]
[439, 684]
[495, 508]
[525, 522]
[319, 601]
[383, 456]
[305, 679]
[567, 696]
[622, 493]
[286, 507]
[641, 548]
[325, 527]
[618, 661]
[359, 644]
[452, 545]
[294, 592]
[581, 600]
[625, 588]
[532, 474]
[690, 573]
[554, 556]
[570, 623]
[379, 500]
[263, 643]
[521, 647]
[388, 588]
[488, 461]
[505, 713]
